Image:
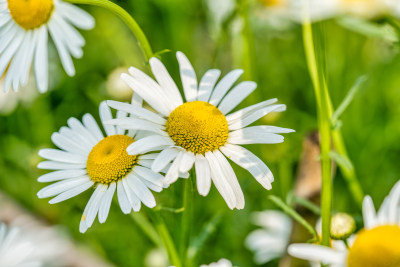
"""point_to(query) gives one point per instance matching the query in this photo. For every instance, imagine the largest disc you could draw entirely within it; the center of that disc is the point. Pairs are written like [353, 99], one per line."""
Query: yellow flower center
[108, 161]
[376, 247]
[30, 14]
[198, 127]
[273, 3]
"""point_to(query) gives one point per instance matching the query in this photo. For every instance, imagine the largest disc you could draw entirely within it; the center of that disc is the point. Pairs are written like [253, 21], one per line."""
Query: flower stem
[128, 19]
[186, 221]
[316, 67]
[165, 238]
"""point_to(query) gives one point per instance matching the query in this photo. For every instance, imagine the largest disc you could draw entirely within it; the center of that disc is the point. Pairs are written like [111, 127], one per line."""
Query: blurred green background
[272, 55]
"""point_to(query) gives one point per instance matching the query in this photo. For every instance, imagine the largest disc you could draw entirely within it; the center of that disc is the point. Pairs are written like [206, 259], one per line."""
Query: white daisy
[377, 244]
[15, 249]
[86, 158]
[272, 239]
[24, 28]
[199, 132]
[220, 263]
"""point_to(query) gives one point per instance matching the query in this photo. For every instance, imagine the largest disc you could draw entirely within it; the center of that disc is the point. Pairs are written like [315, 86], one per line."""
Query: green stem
[321, 93]
[132, 24]
[248, 53]
[186, 221]
[166, 238]
[147, 228]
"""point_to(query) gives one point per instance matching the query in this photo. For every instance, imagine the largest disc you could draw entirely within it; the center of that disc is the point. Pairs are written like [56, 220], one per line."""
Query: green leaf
[292, 213]
[369, 29]
[341, 160]
[347, 100]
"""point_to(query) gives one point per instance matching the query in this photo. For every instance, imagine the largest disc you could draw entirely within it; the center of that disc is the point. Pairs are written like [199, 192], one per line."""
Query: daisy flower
[15, 249]
[220, 263]
[87, 158]
[377, 244]
[272, 239]
[24, 28]
[201, 130]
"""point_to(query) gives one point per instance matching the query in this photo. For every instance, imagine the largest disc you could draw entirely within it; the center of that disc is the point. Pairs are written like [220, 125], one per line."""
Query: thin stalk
[248, 53]
[166, 238]
[186, 221]
[147, 228]
[128, 19]
[321, 91]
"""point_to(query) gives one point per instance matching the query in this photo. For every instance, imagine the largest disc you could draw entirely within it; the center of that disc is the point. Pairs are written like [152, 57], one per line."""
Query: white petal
[137, 124]
[231, 178]
[67, 144]
[152, 86]
[236, 96]
[132, 197]
[207, 83]
[55, 165]
[106, 203]
[187, 161]
[165, 157]
[219, 179]
[165, 81]
[76, 16]
[9, 52]
[318, 253]
[203, 175]
[173, 172]
[188, 77]
[250, 162]
[147, 144]
[151, 186]
[123, 199]
[121, 115]
[141, 191]
[92, 211]
[394, 202]
[224, 85]
[61, 175]
[62, 186]
[137, 111]
[369, 213]
[239, 122]
[77, 137]
[149, 175]
[41, 64]
[83, 225]
[72, 192]
[65, 57]
[105, 115]
[254, 135]
[79, 132]
[61, 156]
[90, 123]
[153, 97]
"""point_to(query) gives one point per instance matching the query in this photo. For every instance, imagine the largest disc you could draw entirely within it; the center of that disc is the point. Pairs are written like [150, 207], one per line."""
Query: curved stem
[128, 19]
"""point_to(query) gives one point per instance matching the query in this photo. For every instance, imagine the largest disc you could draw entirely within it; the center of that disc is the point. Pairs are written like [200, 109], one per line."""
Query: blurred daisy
[199, 132]
[15, 249]
[377, 244]
[87, 158]
[272, 239]
[220, 263]
[24, 28]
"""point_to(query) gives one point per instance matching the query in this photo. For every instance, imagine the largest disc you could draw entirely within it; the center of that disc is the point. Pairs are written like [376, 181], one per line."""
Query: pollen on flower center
[30, 14]
[376, 247]
[198, 127]
[108, 161]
